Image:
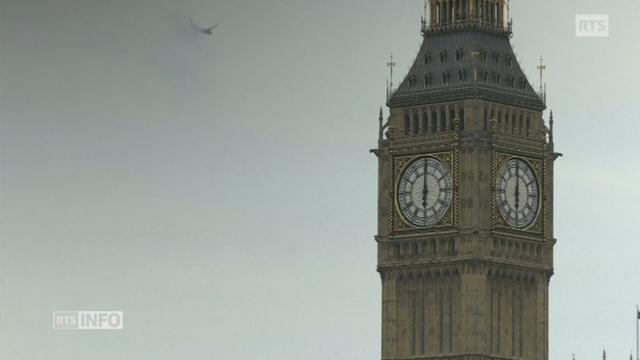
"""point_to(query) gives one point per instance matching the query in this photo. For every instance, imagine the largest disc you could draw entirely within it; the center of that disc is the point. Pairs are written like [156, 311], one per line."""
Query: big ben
[465, 196]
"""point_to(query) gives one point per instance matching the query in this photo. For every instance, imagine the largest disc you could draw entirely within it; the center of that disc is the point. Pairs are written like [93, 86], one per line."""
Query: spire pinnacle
[380, 125]
[391, 65]
[543, 87]
[425, 15]
[388, 91]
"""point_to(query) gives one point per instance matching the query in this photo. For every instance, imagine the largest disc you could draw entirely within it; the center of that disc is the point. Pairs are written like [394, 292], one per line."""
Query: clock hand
[425, 191]
[517, 190]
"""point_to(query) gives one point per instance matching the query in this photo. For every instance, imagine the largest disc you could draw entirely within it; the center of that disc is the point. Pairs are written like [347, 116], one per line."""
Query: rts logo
[592, 25]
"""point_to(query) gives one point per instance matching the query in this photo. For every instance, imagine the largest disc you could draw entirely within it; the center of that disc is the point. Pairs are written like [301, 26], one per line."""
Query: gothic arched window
[452, 116]
[443, 56]
[434, 121]
[462, 75]
[416, 123]
[506, 122]
[413, 81]
[485, 119]
[445, 78]
[520, 125]
[428, 80]
[523, 84]
[425, 122]
[407, 124]
[495, 57]
[492, 118]
[427, 58]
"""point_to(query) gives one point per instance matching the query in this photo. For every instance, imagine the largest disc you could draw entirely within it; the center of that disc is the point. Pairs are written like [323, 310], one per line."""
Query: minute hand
[517, 190]
[425, 191]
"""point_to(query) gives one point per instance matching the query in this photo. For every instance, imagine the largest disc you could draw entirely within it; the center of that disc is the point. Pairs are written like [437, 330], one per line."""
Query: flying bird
[201, 30]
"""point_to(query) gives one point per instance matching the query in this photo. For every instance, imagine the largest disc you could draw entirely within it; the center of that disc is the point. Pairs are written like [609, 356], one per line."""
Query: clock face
[425, 192]
[517, 193]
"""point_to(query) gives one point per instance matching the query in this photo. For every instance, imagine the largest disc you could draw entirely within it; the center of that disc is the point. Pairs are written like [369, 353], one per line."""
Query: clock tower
[465, 200]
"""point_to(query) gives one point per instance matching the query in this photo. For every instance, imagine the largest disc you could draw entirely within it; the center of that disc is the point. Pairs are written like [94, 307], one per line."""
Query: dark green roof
[479, 65]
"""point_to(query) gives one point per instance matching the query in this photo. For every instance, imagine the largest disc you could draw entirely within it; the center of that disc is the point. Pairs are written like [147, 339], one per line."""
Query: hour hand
[424, 195]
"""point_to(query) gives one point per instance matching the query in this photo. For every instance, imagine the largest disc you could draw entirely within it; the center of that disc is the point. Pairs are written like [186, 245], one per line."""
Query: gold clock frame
[450, 219]
[537, 166]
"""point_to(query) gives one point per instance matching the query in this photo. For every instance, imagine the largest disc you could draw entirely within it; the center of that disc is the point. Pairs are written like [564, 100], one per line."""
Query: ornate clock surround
[450, 219]
[538, 167]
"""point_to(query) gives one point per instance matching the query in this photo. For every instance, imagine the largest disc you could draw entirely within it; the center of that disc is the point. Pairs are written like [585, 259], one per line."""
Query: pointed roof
[466, 64]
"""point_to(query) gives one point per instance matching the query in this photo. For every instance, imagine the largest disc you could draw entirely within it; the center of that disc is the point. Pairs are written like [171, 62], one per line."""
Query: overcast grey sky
[220, 191]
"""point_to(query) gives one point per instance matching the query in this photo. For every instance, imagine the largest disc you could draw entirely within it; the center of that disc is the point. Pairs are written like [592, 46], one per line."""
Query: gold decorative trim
[450, 219]
[537, 165]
